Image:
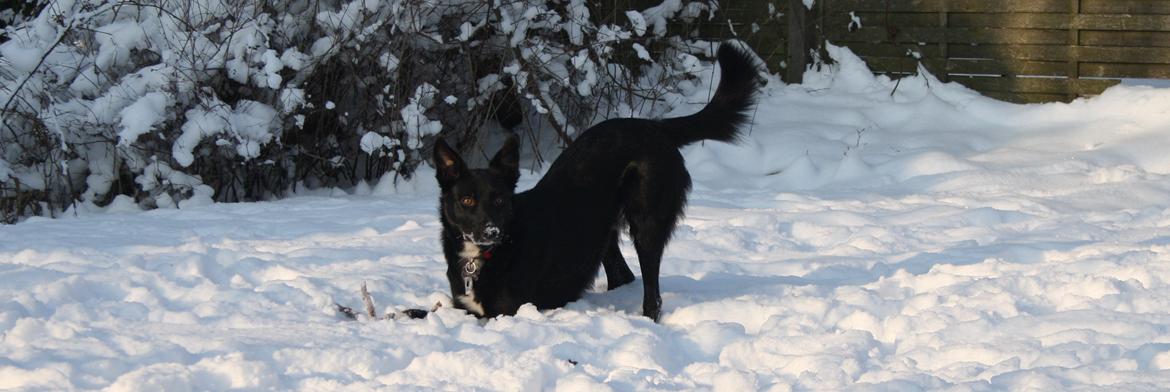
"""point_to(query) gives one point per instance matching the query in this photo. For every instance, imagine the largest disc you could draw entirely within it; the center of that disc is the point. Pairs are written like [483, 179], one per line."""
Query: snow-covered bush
[17, 11]
[189, 101]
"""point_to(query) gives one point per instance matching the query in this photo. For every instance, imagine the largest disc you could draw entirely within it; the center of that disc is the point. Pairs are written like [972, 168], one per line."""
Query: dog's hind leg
[654, 197]
[649, 258]
[617, 272]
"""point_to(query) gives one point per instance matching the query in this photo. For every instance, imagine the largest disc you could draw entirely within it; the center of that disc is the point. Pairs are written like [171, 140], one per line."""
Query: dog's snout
[491, 231]
[489, 234]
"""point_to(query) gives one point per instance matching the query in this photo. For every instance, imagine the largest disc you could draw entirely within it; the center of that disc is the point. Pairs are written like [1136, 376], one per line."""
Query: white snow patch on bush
[116, 40]
[642, 52]
[291, 99]
[141, 116]
[373, 142]
[656, 16]
[249, 124]
[637, 21]
[5, 170]
[414, 117]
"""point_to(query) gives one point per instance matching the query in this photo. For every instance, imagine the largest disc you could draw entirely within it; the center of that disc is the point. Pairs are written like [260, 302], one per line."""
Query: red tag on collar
[486, 254]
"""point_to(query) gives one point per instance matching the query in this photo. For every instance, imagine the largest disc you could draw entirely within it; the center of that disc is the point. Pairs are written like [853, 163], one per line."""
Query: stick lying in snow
[369, 301]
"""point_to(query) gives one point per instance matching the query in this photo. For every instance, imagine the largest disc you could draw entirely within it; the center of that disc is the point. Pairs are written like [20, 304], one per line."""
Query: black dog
[544, 246]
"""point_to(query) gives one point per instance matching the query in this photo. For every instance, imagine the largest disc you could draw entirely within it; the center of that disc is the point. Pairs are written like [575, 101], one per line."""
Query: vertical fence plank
[1074, 40]
[798, 37]
[944, 74]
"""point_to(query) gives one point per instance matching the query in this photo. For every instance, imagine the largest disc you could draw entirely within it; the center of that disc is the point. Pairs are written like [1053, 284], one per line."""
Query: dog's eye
[499, 201]
[467, 201]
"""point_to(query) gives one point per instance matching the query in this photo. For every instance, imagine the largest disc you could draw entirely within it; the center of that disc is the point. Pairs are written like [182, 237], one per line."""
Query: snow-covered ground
[863, 237]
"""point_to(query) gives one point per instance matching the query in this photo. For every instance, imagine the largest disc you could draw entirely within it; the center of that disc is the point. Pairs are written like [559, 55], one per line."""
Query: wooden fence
[1016, 50]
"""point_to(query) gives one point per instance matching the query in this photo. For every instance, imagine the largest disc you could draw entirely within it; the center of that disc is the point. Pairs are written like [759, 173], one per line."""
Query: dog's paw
[653, 309]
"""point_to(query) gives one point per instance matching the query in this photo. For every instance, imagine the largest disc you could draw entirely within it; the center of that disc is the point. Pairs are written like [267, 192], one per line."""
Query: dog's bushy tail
[729, 108]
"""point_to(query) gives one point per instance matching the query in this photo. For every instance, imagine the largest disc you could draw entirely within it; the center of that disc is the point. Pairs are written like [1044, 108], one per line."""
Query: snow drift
[863, 237]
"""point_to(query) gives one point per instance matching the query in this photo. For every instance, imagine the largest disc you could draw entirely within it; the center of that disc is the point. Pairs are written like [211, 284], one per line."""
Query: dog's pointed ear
[448, 165]
[507, 160]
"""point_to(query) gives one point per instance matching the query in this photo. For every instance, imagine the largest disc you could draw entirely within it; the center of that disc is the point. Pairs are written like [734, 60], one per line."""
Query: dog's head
[478, 202]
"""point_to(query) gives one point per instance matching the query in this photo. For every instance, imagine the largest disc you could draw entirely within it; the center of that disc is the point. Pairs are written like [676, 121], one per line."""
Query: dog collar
[472, 267]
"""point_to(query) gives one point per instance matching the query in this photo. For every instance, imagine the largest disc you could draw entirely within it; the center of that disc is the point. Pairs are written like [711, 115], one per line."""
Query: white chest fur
[470, 251]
